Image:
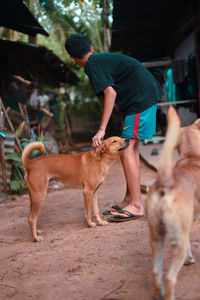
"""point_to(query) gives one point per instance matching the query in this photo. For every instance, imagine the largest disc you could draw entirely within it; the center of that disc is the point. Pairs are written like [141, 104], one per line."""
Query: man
[126, 83]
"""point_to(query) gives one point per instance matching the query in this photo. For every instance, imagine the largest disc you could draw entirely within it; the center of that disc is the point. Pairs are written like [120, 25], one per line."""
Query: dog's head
[189, 140]
[113, 146]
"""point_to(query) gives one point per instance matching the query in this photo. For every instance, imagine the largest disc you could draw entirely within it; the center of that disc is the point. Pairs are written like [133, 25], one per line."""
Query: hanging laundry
[180, 70]
[170, 86]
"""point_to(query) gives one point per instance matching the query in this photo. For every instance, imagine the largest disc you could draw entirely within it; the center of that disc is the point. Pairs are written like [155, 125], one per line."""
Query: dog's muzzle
[126, 146]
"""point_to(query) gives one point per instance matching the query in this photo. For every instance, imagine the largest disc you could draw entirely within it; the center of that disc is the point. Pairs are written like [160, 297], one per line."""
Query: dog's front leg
[96, 211]
[190, 259]
[88, 197]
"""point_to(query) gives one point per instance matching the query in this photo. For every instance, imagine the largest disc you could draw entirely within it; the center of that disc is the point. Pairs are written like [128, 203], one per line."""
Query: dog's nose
[127, 141]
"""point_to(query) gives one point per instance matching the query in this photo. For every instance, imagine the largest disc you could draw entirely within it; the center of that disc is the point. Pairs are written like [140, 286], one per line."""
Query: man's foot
[115, 208]
[130, 217]
[130, 208]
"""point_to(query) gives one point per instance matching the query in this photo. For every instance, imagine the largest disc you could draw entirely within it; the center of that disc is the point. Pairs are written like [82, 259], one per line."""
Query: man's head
[77, 45]
[79, 48]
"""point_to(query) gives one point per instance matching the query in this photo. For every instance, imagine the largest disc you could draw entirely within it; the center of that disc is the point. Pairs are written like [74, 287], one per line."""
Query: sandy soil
[77, 263]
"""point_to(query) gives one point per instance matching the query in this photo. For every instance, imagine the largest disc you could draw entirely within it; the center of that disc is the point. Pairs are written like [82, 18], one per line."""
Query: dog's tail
[166, 157]
[28, 149]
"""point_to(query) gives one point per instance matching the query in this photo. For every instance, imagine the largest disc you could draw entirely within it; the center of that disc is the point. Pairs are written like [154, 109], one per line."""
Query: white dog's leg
[157, 248]
[179, 252]
[189, 260]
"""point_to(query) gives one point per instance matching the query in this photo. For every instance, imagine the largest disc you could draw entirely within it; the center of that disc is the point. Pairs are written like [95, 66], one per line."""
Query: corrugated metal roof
[14, 14]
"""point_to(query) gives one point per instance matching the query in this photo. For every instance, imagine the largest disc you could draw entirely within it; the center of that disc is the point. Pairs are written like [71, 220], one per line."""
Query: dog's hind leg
[179, 252]
[88, 199]
[157, 250]
[96, 211]
[37, 199]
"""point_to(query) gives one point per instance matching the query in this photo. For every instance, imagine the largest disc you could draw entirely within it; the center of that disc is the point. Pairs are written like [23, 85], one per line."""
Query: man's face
[78, 61]
[82, 61]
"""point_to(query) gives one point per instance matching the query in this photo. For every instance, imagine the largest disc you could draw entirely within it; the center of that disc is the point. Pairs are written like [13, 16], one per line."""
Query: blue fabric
[170, 86]
[146, 122]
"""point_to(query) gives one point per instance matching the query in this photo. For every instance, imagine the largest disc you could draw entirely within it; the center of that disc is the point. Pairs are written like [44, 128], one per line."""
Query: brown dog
[173, 201]
[85, 170]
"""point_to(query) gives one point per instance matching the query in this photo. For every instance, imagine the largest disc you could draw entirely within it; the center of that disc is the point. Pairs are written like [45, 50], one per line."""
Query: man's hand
[109, 101]
[98, 138]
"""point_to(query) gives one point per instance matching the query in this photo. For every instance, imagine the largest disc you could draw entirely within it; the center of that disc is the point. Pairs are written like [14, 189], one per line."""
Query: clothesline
[160, 104]
[157, 63]
[162, 63]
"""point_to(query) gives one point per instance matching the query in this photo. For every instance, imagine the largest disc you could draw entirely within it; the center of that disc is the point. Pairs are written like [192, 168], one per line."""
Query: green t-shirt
[137, 89]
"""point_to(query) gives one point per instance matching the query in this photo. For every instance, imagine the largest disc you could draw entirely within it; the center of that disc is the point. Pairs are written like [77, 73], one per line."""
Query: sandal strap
[116, 207]
[125, 212]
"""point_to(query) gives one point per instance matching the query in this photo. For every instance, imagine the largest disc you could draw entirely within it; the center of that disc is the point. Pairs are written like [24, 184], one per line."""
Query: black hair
[77, 45]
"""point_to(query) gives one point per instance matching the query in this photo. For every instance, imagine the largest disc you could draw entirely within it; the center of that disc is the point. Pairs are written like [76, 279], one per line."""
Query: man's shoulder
[107, 59]
[113, 55]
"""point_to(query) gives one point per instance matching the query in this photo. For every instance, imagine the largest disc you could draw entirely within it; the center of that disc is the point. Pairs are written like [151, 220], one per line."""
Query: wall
[186, 48]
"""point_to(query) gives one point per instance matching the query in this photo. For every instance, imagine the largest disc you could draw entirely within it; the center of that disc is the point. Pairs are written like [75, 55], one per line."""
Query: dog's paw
[189, 261]
[92, 224]
[38, 239]
[39, 232]
[103, 223]
[159, 293]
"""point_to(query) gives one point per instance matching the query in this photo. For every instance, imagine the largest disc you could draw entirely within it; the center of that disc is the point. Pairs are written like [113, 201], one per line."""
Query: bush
[17, 183]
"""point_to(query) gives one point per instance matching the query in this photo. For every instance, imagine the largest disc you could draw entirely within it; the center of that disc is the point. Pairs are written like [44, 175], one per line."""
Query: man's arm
[109, 101]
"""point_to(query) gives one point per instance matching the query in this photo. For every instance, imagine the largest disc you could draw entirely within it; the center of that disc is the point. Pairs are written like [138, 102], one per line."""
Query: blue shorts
[140, 126]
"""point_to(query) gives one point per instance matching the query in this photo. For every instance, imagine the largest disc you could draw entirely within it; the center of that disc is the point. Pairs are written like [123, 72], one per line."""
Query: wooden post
[69, 132]
[24, 113]
[3, 161]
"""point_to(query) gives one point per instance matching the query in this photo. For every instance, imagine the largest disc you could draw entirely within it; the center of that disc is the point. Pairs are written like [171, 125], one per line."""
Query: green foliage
[62, 105]
[84, 101]
[15, 159]
[17, 183]
[62, 18]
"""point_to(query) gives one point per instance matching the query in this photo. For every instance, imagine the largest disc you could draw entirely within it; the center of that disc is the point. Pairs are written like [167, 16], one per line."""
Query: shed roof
[14, 14]
[149, 30]
[33, 62]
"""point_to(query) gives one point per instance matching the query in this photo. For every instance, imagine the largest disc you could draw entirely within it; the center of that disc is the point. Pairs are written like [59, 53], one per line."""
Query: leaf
[15, 185]
[24, 144]
[17, 132]
[41, 138]
[14, 157]
[19, 164]
[35, 153]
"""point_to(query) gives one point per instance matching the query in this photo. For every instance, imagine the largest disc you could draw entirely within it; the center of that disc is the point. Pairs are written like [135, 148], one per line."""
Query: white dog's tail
[28, 149]
[165, 166]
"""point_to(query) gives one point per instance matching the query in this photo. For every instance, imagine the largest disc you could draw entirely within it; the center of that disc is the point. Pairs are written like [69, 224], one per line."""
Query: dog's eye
[114, 142]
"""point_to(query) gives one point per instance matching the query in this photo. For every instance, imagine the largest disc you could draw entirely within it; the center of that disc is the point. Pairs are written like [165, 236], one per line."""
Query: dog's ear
[101, 148]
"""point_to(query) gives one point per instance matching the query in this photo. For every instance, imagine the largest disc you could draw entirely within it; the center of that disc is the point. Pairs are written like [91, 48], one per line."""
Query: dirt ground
[75, 262]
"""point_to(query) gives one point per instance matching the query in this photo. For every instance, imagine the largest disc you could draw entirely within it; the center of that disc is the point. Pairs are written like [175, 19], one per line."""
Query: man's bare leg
[131, 165]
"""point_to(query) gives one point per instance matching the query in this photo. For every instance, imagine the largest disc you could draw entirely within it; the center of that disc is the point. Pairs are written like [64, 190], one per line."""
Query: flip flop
[107, 212]
[130, 217]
